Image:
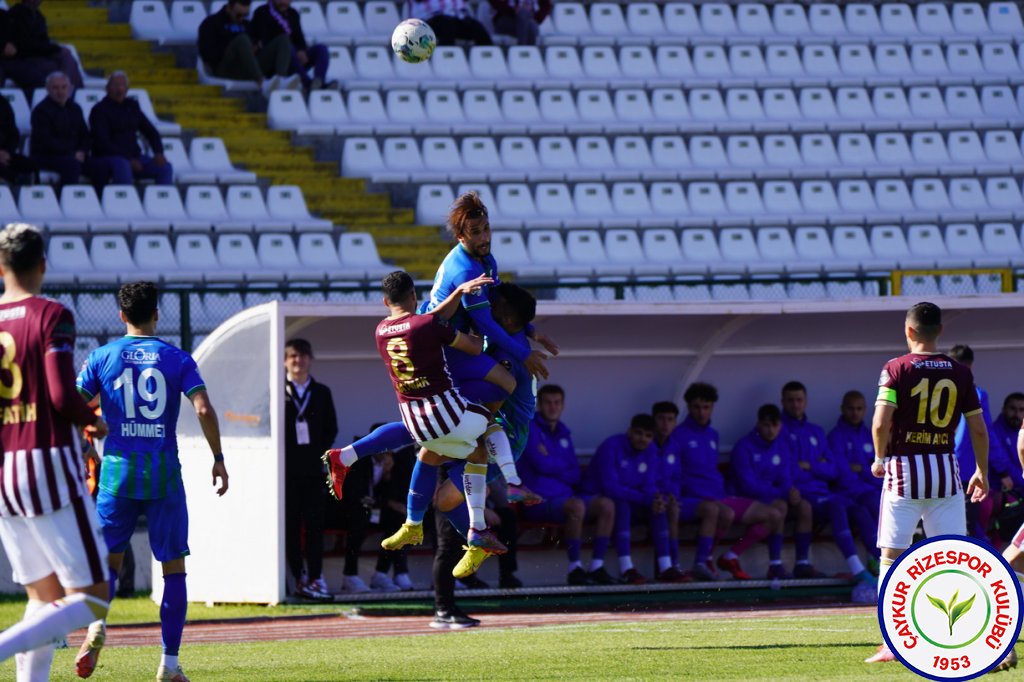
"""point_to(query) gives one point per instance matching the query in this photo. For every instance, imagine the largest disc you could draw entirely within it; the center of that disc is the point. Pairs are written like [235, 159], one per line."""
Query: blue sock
[173, 607]
[112, 581]
[572, 548]
[421, 491]
[455, 471]
[387, 438]
[704, 546]
[673, 550]
[802, 542]
[623, 521]
[459, 518]
[844, 540]
[600, 548]
[659, 531]
[775, 547]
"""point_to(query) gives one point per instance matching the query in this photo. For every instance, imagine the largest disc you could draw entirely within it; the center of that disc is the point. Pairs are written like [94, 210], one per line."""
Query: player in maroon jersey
[48, 521]
[921, 396]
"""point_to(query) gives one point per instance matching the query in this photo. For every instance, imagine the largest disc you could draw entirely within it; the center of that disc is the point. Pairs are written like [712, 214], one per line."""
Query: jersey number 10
[158, 395]
[929, 403]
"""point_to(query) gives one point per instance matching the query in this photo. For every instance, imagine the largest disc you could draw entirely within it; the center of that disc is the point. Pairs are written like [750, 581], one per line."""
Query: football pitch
[713, 646]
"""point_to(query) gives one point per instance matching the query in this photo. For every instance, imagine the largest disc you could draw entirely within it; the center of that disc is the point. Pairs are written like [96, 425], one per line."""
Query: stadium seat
[520, 106]
[361, 157]
[8, 206]
[962, 102]
[164, 203]
[892, 149]
[208, 154]
[818, 150]
[380, 17]
[637, 62]
[526, 62]
[432, 204]
[487, 63]
[780, 105]
[816, 104]
[999, 147]
[38, 204]
[813, 249]
[743, 199]
[933, 19]
[593, 152]
[287, 110]
[743, 104]
[966, 194]
[818, 198]
[668, 199]
[402, 154]
[707, 105]
[825, 19]
[929, 148]
[929, 195]
[783, 60]
[111, 259]
[969, 19]
[606, 19]
[997, 101]
[890, 240]
[699, 246]
[149, 20]
[705, 199]
[600, 62]
[631, 152]
[441, 154]
[186, 15]
[315, 251]
[286, 203]
[67, 259]
[570, 19]
[563, 63]
[373, 63]
[644, 19]
[716, 19]
[632, 105]
[1003, 193]
[204, 203]
[277, 255]
[851, 246]
[79, 202]
[518, 153]
[963, 59]
[855, 149]
[746, 61]
[710, 62]
[820, 60]
[121, 204]
[358, 253]
[341, 68]
[514, 202]
[153, 254]
[592, 201]
[313, 21]
[510, 250]
[669, 104]
[344, 19]
[919, 285]
[245, 205]
[661, 249]
[1004, 17]
[236, 252]
[22, 112]
[780, 197]
[926, 242]
[927, 59]
[557, 106]
[963, 240]
[629, 200]
[681, 19]
[892, 195]
[585, 249]
[197, 251]
[1002, 241]
[673, 61]
[327, 111]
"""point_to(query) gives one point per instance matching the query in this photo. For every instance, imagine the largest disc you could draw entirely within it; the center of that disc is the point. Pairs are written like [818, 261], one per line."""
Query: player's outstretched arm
[450, 305]
[977, 487]
[64, 396]
[468, 343]
[211, 430]
[881, 425]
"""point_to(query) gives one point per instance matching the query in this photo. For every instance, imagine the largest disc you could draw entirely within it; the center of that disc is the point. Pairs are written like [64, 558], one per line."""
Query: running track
[343, 626]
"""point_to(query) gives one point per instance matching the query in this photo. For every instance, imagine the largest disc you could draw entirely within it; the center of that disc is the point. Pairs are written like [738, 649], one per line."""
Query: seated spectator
[14, 168]
[276, 19]
[668, 482]
[624, 469]
[761, 469]
[451, 20]
[391, 486]
[59, 138]
[1004, 435]
[703, 495]
[520, 19]
[821, 477]
[29, 55]
[115, 122]
[549, 467]
[229, 52]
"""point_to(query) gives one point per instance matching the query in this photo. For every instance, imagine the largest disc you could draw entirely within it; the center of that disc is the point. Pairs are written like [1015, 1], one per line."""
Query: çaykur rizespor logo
[950, 608]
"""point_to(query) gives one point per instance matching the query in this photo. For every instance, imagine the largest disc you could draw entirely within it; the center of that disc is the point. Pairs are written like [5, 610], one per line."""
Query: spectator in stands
[1004, 436]
[761, 469]
[703, 484]
[550, 468]
[277, 18]
[624, 468]
[520, 19]
[669, 482]
[29, 55]
[228, 51]
[979, 514]
[116, 122]
[311, 425]
[59, 138]
[14, 168]
[851, 438]
[452, 20]
[818, 475]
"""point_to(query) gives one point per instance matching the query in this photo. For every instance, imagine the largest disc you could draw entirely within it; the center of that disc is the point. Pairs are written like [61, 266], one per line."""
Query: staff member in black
[311, 425]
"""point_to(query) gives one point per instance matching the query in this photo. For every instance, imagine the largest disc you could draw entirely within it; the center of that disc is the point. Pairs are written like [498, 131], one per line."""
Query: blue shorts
[464, 366]
[552, 509]
[166, 518]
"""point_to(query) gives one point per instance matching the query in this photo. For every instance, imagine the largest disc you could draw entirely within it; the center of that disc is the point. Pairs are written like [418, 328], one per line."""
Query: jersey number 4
[158, 394]
[930, 402]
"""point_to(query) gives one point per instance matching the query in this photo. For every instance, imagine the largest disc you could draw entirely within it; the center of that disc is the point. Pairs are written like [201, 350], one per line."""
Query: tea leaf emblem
[954, 611]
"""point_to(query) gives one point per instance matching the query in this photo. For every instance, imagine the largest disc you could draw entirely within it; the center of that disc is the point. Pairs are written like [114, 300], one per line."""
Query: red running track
[345, 626]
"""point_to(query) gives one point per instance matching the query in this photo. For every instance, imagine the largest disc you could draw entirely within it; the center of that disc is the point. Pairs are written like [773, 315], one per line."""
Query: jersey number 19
[157, 395]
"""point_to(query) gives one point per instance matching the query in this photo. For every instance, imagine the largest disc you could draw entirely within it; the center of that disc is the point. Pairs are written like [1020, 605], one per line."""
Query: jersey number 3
[7, 364]
[158, 394]
[929, 402]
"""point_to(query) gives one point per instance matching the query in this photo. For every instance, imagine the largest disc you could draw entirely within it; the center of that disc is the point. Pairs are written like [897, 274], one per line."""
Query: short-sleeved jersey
[139, 380]
[517, 411]
[929, 391]
[458, 267]
[41, 467]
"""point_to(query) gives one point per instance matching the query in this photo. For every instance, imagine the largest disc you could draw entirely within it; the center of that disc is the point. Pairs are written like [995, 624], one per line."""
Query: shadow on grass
[755, 647]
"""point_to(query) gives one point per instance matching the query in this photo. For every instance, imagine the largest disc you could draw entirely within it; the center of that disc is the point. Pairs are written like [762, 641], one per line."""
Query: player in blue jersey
[138, 381]
[481, 378]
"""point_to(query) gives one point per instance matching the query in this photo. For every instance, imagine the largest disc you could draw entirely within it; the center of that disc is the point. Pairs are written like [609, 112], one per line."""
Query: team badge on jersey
[564, 442]
[884, 378]
[776, 460]
[671, 458]
[950, 608]
[642, 468]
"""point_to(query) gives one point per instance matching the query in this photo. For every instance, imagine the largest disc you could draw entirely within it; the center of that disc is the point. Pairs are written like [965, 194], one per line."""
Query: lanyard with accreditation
[301, 402]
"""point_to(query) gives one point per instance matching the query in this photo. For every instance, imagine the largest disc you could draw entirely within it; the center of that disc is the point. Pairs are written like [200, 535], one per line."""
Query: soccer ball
[413, 41]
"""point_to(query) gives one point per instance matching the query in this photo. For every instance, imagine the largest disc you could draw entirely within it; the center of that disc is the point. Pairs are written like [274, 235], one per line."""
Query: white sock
[349, 456]
[500, 450]
[475, 481]
[410, 522]
[664, 563]
[169, 662]
[625, 563]
[595, 564]
[53, 620]
[730, 555]
[34, 665]
[883, 567]
[573, 565]
[854, 562]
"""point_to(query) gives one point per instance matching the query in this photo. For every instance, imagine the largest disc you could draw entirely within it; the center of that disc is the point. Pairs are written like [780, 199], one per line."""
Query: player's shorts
[463, 366]
[166, 519]
[688, 506]
[552, 509]
[898, 517]
[461, 441]
[66, 542]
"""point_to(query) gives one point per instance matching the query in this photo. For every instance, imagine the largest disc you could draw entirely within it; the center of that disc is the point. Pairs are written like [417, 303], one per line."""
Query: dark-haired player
[921, 396]
[48, 522]
[138, 381]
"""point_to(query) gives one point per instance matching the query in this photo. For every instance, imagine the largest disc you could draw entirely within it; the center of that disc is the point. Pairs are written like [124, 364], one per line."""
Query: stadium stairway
[205, 110]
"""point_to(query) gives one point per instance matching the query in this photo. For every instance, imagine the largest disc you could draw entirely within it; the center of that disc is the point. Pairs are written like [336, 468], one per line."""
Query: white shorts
[898, 517]
[462, 440]
[66, 542]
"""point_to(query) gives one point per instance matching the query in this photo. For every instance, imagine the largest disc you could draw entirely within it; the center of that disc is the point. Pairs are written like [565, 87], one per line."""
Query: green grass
[792, 649]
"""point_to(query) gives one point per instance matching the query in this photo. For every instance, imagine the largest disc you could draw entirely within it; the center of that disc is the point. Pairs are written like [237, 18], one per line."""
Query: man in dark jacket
[59, 137]
[13, 166]
[228, 50]
[28, 54]
[277, 18]
[116, 122]
[520, 19]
